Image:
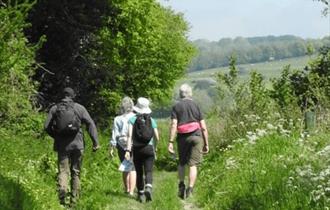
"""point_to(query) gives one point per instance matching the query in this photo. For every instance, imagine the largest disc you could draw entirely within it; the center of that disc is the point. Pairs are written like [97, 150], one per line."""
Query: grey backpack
[66, 121]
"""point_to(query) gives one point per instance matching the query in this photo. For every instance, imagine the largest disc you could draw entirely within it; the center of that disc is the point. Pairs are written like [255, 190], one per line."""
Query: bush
[16, 67]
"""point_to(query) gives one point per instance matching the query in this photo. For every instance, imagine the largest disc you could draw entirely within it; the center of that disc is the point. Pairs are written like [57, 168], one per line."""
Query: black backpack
[142, 130]
[66, 121]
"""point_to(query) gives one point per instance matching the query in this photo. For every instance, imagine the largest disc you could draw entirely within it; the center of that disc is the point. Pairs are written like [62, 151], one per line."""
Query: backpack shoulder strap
[138, 117]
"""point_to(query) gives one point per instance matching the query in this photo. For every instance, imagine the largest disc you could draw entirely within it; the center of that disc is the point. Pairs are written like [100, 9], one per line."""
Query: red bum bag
[188, 127]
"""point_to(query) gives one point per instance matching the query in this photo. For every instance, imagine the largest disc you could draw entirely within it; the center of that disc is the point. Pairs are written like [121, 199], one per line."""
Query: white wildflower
[231, 163]
[270, 126]
[261, 132]
[252, 138]
[249, 133]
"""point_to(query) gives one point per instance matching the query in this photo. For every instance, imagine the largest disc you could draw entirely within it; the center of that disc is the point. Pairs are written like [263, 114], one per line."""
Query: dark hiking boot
[182, 190]
[73, 201]
[189, 192]
[141, 197]
[62, 198]
[62, 201]
[148, 193]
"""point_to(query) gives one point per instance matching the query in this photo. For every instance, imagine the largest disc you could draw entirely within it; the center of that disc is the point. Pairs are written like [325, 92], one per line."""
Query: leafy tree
[107, 49]
[231, 89]
[319, 77]
[283, 92]
[16, 67]
[141, 51]
[260, 100]
[307, 89]
[68, 27]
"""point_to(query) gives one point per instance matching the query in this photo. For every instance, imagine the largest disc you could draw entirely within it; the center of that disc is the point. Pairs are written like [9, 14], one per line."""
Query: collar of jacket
[67, 99]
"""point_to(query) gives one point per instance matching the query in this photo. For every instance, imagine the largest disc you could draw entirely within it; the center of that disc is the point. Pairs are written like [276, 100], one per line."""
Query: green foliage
[238, 101]
[28, 181]
[229, 85]
[260, 99]
[27, 172]
[283, 93]
[109, 49]
[264, 164]
[141, 42]
[291, 95]
[274, 172]
[68, 27]
[304, 90]
[16, 67]
[319, 75]
[230, 79]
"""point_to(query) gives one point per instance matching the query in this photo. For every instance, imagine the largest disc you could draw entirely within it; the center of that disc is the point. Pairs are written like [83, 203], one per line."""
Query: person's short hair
[126, 105]
[185, 91]
[69, 92]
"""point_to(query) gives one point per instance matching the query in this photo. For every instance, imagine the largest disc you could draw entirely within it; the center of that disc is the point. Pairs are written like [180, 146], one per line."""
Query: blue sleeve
[153, 123]
[132, 120]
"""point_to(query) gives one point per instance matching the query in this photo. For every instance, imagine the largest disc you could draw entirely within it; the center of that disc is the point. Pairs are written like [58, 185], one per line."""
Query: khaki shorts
[190, 149]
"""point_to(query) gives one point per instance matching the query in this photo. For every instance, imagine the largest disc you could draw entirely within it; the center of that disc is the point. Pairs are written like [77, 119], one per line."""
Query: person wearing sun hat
[143, 153]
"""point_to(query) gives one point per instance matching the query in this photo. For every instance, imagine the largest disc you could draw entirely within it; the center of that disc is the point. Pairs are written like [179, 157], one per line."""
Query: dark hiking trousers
[143, 158]
[69, 163]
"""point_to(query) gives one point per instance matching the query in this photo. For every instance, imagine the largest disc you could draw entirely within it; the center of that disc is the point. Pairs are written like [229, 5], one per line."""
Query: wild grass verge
[275, 172]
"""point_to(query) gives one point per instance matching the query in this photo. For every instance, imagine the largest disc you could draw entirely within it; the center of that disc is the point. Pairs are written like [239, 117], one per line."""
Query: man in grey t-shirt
[192, 138]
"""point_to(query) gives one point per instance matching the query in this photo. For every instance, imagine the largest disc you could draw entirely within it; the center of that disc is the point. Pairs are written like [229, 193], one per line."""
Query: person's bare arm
[156, 141]
[173, 127]
[205, 136]
[156, 134]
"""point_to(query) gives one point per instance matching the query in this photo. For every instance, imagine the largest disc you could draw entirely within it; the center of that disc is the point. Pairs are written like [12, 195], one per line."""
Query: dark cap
[69, 92]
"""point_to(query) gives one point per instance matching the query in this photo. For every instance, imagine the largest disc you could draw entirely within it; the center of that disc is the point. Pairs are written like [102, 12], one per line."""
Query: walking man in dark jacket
[70, 146]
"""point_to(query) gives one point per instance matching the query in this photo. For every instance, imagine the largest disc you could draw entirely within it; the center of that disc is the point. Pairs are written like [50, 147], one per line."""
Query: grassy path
[189, 204]
[101, 180]
[164, 196]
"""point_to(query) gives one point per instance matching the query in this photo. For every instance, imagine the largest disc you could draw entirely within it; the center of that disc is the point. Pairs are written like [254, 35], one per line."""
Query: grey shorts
[190, 149]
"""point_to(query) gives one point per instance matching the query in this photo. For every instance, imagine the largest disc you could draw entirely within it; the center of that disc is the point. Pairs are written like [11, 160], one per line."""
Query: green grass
[103, 189]
[28, 176]
[257, 176]
[27, 171]
[247, 176]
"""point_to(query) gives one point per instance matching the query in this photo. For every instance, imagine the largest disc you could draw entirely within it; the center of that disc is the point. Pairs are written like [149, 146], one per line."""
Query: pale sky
[216, 19]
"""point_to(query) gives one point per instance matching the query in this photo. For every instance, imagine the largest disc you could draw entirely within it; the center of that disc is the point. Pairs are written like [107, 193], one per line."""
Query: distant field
[204, 82]
[269, 69]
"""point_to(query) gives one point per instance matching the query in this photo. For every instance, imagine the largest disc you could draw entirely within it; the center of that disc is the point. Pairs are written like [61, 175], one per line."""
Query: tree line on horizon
[214, 54]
